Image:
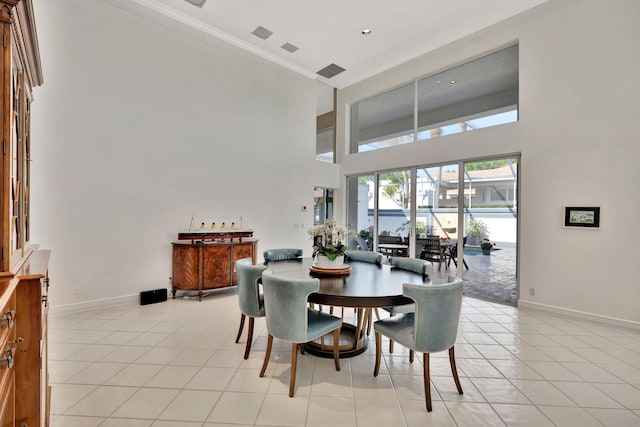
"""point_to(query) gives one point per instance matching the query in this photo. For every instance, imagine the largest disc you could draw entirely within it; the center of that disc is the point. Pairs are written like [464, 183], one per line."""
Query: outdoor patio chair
[453, 254]
[433, 252]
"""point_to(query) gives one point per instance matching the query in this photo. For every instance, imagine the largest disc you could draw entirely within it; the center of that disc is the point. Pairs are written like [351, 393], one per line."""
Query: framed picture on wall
[575, 216]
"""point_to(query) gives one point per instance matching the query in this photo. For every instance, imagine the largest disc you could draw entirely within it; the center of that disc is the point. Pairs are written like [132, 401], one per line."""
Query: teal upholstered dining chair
[290, 319]
[410, 264]
[433, 327]
[373, 258]
[281, 254]
[365, 256]
[249, 297]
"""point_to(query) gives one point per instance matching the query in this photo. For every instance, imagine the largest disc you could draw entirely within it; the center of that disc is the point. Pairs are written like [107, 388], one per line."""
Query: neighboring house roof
[504, 172]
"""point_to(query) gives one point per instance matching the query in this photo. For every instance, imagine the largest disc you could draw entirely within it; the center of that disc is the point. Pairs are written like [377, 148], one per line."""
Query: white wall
[137, 127]
[578, 135]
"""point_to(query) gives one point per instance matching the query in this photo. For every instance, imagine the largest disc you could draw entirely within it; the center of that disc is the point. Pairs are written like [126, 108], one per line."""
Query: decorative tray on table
[331, 271]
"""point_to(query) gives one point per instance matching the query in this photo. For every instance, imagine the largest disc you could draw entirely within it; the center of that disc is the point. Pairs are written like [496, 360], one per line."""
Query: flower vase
[486, 251]
[324, 262]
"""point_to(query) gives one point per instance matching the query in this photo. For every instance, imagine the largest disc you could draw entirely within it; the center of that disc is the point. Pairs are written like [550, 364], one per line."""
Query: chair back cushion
[248, 292]
[281, 254]
[437, 314]
[362, 244]
[411, 264]
[366, 256]
[285, 304]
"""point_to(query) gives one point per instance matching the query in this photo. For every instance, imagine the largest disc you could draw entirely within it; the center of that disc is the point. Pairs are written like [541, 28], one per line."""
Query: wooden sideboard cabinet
[200, 266]
[25, 392]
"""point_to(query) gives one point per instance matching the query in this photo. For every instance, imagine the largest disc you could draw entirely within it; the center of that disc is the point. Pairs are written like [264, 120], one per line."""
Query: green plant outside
[477, 228]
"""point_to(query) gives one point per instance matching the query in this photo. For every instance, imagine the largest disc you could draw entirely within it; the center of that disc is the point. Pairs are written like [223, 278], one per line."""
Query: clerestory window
[478, 94]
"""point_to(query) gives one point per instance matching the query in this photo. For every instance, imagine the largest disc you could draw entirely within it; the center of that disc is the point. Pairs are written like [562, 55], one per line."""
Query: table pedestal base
[353, 339]
[323, 346]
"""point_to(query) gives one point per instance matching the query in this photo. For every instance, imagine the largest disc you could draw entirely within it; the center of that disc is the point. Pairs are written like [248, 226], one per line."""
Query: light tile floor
[176, 364]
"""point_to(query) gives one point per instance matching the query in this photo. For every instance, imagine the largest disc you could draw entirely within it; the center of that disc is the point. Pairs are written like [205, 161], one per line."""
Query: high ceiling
[330, 31]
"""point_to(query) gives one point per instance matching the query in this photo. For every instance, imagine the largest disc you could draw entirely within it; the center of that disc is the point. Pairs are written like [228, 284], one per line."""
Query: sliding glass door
[491, 221]
[437, 205]
[361, 217]
[395, 212]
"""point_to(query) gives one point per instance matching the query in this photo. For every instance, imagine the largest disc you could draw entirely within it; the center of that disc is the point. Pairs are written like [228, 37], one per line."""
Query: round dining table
[367, 286]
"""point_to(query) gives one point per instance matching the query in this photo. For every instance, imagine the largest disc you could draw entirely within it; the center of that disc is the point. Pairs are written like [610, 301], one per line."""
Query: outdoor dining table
[393, 249]
[366, 286]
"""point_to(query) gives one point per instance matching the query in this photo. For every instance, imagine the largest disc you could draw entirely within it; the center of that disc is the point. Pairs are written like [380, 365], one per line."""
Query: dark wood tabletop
[368, 285]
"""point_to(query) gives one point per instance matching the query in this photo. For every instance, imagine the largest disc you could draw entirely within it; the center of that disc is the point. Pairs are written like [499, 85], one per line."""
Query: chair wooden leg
[294, 362]
[336, 345]
[242, 317]
[267, 355]
[376, 369]
[369, 320]
[454, 371]
[249, 338]
[411, 353]
[427, 382]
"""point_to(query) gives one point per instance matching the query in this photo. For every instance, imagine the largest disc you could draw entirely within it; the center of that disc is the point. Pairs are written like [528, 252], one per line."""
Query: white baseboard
[580, 314]
[95, 304]
[120, 300]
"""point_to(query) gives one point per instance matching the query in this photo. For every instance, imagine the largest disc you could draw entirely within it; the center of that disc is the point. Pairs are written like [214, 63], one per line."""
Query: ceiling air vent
[198, 3]
[289, 47]
[262, 32]
[331, 70]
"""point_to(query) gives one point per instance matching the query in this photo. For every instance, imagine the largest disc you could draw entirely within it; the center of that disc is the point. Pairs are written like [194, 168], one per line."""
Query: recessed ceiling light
[452, 82]
[366, 32]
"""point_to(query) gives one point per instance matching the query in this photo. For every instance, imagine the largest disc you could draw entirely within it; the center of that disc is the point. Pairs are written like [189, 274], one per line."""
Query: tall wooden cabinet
[24, 384]
[24, 390]
[200, 266]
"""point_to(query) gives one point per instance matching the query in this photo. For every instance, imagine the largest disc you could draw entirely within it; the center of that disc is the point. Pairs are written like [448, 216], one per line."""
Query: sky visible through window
[433, 132]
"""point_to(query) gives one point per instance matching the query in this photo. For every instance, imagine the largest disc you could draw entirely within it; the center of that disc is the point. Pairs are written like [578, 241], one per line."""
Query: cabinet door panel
[216, 266]
[185, 267]
[7, 402]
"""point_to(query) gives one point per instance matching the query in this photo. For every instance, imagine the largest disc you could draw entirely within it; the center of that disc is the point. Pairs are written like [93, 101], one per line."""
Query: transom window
[478, 94]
